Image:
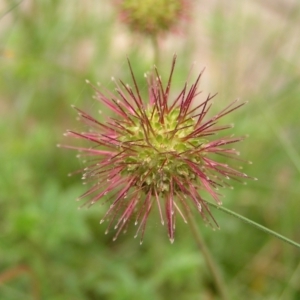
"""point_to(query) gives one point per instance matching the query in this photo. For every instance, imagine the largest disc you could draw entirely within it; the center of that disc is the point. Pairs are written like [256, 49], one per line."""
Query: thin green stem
[260, 227]
[218, 280]
[156, 55]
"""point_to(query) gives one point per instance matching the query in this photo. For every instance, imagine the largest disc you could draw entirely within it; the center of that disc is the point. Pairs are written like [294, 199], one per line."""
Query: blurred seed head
[153, 17]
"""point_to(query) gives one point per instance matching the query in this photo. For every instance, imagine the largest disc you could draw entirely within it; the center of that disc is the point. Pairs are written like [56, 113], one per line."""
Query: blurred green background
[51, 250]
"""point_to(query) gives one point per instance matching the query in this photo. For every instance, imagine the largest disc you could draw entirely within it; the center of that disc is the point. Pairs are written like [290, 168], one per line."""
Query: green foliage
[47, 49]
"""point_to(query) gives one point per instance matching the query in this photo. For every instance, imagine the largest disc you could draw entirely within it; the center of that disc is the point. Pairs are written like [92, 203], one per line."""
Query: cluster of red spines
[108, 154]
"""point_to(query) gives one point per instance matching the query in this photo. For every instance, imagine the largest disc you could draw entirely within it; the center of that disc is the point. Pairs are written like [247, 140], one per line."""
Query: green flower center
[157, 155]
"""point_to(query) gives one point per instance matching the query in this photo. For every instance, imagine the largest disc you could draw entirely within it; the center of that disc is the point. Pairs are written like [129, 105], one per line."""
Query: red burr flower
[156, 150]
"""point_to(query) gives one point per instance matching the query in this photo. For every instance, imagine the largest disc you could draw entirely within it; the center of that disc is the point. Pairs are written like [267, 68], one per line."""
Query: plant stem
[260, 227]
[216, 274]
[155, 50]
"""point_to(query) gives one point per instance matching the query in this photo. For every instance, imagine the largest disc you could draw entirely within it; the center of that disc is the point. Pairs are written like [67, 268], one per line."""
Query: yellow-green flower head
[152, 17]
[156, 151]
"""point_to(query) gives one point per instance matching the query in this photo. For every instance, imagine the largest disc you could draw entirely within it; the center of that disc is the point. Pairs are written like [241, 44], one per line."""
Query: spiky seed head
[153, 17]
[155, 150]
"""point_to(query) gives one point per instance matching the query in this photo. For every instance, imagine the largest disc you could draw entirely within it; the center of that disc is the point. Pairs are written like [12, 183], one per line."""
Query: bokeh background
[51, 250]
